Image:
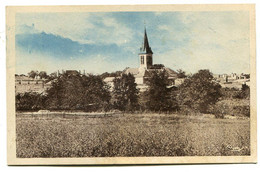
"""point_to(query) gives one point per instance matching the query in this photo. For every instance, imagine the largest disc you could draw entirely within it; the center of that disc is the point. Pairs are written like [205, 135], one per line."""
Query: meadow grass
[130, 135]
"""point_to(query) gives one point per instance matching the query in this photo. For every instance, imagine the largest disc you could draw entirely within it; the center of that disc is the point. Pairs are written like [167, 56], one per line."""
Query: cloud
[48, 52]
[218, 41]
[80, 27]
[63, 48]
[68, 25]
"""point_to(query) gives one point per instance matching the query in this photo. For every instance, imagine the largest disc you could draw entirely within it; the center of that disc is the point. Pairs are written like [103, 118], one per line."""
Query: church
[143, 72]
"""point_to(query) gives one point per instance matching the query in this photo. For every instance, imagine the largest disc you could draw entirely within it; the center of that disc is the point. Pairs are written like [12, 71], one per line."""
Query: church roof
[170, 72]
[147, 72]
[145, 48]
[133, 71]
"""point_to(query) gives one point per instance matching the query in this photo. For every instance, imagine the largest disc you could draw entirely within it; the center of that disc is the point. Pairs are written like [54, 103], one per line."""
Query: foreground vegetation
[199, 93]
[130, 135]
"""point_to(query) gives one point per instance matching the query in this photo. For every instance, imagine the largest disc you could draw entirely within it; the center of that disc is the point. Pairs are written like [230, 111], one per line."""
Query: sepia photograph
[131, 84]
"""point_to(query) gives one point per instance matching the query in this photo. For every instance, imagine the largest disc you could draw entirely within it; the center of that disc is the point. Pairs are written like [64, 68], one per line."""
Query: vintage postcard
[139, 84]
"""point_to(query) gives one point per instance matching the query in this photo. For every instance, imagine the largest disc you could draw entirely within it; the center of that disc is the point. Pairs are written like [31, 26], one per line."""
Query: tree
[157, 66]
[199, 91]
[56, 93]
[43, 75]
[112, 74]
[96, 95]
[244, 93]
[29, 101]
[125, 93]
[33, 74]
[181, 73]
[75, 92]
[158, 95]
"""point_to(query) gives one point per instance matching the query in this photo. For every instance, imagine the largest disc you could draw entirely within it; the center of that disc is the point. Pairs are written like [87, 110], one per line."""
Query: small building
[233, 80]
[72, 72]
[26, 84]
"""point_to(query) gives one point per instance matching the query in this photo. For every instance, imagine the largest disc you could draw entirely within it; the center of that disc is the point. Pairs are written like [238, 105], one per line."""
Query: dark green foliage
[199, 91]
[29, 101]
[235, 107]
[75, 92]
[96, 95]
[125, 93]
[158, 96]
[181, 73]
[243, 110]
[69, 92]
[235, 93]
[244, 93]
[198, 94]
[229, 93]
[220, 110]
[33, 74]
[66, 93]
[157, 66]
[112, 74]
[233, 102]
[43, 75]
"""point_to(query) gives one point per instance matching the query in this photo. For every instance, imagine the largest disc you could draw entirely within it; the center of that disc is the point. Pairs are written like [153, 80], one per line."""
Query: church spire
[146, 53]
[145, 49]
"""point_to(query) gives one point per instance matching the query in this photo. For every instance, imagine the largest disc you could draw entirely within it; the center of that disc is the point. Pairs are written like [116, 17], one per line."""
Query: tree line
[91, 94]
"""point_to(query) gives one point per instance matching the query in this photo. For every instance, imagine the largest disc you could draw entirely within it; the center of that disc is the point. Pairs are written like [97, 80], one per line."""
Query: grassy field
[130, 135]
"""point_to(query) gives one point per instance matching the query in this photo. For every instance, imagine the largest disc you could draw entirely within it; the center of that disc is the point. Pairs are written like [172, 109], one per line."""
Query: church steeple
[146, 53]
[145, 49]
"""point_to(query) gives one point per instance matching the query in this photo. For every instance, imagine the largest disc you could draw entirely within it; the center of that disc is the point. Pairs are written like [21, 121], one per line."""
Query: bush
[243, 110]
[185, 110]
[219, 110]
[29, 101]
[229, 93]
[233, 107]
[244, 93]
[199, 91]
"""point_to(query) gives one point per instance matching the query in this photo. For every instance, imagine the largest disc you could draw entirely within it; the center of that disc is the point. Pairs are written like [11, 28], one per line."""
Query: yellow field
[130, 135]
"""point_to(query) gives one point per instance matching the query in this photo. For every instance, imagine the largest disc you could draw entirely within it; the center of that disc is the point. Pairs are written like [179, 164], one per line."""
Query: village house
[26, 84]
[233, 80]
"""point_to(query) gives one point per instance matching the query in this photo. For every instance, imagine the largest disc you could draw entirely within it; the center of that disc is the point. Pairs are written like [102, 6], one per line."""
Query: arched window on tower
[149, 60]
[142, 59]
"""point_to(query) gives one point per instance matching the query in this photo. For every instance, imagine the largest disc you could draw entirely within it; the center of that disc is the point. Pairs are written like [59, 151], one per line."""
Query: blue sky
[99, 42]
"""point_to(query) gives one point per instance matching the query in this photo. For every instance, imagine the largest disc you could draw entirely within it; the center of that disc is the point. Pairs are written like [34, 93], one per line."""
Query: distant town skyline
[106, 42]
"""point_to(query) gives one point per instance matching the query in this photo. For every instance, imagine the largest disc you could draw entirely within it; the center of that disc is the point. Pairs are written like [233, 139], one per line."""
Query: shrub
[219, 110]
[243, 110]
[233, 107]
[229, 93]
[185, 110]
[29, 101]
[244, 93]
[199, 91]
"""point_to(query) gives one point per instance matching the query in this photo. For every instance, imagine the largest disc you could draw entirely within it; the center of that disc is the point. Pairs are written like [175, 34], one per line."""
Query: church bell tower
[146, 54]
